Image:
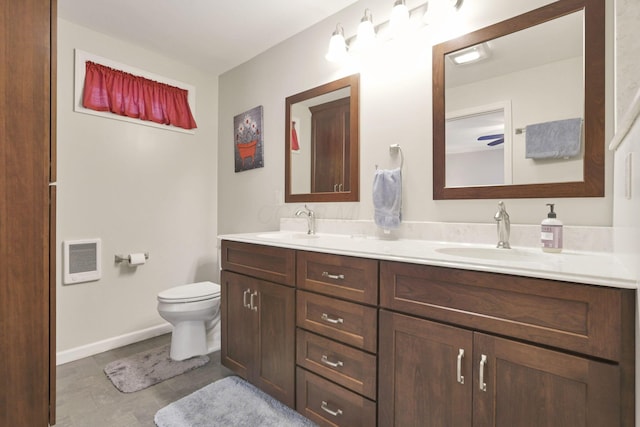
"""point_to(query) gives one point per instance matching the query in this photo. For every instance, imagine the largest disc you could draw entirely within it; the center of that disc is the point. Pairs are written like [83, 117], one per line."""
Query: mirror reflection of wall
[301, 158]
[478, 147]
[539, 70]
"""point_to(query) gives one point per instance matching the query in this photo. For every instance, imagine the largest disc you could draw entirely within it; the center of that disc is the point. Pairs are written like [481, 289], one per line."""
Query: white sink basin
[493, 254]
[280, 235]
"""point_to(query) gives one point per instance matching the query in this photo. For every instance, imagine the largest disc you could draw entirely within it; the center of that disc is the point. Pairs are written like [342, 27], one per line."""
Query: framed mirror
[542, 71]
[322, 143]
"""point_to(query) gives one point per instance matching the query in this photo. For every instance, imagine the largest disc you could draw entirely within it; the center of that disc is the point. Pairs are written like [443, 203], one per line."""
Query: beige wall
[395, 108]
[137, 188]
[627, 210]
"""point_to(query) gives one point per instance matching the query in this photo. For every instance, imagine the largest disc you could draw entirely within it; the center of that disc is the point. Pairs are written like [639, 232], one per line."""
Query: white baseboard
[81, 352]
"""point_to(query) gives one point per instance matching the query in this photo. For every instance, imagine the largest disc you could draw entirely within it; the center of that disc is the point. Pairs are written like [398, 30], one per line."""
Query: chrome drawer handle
[333, 276]
[460, 356]
[326, 361]
[483, 363]
[328, 319]
[245, 304]
[325, 408]
[252, 305]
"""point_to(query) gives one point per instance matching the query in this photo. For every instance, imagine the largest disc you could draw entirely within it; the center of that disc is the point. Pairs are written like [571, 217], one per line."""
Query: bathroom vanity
[362, 332]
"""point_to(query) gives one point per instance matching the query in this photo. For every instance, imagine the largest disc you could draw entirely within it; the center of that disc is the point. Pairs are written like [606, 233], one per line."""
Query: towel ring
[395, 148]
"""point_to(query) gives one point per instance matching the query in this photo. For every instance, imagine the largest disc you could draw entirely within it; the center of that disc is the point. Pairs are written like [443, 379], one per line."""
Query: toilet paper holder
[126, 258]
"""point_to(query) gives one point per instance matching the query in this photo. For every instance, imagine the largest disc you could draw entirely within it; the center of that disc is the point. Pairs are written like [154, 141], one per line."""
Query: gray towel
[553, 140]
[387, 198]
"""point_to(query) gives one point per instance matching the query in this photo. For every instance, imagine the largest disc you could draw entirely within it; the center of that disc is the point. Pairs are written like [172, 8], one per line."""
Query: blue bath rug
[229, 402]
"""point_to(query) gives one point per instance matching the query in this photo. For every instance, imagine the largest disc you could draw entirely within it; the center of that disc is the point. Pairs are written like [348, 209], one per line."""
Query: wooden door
[532, 386]
[330, 152]
[27, 309]
[275, 353]
[418, 382]
[238, 322]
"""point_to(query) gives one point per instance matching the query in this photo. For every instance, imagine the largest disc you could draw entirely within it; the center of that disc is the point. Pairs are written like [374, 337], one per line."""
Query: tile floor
[86, 397]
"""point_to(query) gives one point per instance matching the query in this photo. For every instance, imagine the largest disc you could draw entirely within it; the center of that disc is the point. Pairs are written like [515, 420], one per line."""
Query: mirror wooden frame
[594, 110]
[353, 195]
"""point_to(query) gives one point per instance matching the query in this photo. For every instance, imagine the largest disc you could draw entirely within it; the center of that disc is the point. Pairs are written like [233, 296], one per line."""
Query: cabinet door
[531, 386]
[418, 378]
[330, 141]
[238, 323]
[275, 363]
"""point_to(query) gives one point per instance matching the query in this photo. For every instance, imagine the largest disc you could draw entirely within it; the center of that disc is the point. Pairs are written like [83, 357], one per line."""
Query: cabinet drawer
[331, 405]
[347, 322]
[347, 366]
[580, 318]
[351, 278]
[264, 262]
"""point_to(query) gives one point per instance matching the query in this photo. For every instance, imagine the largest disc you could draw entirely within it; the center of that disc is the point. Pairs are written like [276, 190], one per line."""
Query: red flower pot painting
[248, 140]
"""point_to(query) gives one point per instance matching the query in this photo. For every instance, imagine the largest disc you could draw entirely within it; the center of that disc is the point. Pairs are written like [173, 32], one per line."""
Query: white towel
[387, 198]
[553, 140]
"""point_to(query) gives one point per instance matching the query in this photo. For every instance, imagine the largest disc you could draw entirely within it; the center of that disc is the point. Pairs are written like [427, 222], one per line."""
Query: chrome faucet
[311, 219]
[504, 226]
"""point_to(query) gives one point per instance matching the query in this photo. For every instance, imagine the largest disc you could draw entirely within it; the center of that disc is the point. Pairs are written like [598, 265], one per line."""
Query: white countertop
[593, 268]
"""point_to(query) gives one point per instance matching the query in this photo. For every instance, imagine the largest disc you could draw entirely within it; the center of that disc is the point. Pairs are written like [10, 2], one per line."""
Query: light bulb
[366, 31]
[399, 17]
[337, 46]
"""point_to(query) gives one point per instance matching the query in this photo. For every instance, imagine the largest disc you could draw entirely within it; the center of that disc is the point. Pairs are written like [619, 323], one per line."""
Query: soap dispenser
[551, 232]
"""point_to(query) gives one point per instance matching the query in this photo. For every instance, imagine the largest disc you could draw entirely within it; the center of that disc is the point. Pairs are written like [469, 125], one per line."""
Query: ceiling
[214, 35]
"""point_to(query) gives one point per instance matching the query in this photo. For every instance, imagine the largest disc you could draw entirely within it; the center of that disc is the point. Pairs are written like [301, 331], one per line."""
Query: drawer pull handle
[252, 305]
[325, 408]
[483, 363]
[326, 361]
[245, 304]
[460, 356]
[333, 276]
[328, 319]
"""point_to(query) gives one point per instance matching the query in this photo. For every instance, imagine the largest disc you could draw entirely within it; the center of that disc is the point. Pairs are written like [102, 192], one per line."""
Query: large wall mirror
[321, 143]
[541, 72]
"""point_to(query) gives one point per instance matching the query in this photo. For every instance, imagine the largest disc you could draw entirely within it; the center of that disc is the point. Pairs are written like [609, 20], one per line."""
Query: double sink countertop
[592, 268]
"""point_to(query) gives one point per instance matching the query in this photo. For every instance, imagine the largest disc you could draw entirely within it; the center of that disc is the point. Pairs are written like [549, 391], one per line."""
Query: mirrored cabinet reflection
[321, 144]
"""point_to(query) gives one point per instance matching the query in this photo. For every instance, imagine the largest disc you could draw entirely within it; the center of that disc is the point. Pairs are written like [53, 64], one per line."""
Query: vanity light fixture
[337, 46]
[400, 21]
[440, 10]
[470, 55]
[366, 32]
[399, 17]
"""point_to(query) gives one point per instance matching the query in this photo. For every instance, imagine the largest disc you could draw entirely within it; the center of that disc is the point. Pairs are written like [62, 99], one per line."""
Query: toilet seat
[190, 293]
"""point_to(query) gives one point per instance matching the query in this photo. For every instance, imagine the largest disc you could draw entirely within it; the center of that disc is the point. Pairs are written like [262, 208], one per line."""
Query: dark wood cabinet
[484, 349]
[337, 339]
[258, 323]
[27, 212]
[418, 381]
[532, 385]
[400, 344]
[456, 377]
[330, 153]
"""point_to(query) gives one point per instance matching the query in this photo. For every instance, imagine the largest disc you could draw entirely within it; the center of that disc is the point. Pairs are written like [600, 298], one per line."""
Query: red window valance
[106, 89]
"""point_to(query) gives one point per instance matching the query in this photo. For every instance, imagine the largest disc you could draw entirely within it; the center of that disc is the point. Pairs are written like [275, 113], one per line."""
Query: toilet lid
[190, 293]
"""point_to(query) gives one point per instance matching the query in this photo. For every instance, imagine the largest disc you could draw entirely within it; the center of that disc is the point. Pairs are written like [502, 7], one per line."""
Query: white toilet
[194, 312]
